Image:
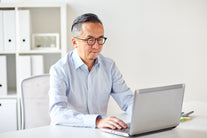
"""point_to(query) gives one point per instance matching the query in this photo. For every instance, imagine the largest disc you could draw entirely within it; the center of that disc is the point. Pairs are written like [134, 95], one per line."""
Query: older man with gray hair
[82, 81]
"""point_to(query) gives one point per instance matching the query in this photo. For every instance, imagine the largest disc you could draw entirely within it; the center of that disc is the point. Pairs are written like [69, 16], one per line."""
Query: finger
[115, 124]
[109, 125]
[121, 123]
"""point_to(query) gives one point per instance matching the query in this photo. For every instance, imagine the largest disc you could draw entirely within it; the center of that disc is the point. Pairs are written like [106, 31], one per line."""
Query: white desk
[195, 128]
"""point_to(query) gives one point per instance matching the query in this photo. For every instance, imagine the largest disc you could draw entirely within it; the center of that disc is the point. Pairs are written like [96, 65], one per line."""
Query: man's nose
[96, 45]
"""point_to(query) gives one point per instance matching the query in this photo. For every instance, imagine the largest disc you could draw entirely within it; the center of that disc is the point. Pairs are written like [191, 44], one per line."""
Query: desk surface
[196, 127]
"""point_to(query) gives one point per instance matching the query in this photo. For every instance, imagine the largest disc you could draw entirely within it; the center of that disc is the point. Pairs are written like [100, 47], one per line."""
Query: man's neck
[90, 64]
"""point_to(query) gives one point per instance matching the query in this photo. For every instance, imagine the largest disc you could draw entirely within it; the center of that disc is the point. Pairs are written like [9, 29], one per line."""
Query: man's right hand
[110, 122]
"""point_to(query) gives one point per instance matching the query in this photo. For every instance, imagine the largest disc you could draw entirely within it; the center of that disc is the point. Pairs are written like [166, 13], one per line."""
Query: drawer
[8, 115]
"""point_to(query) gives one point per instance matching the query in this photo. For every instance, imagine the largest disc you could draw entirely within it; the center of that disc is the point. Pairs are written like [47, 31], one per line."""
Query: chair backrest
[35, 101]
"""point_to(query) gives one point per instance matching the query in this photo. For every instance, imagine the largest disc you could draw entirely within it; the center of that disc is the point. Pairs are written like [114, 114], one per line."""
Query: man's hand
[110, 122]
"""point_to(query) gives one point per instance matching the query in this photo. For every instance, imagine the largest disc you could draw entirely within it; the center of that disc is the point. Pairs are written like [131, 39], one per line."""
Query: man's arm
[123, 96]
[121, 93]
[62, 115]
[60, 111]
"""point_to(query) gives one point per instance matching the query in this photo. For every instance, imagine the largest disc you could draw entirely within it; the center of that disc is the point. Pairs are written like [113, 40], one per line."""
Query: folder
[9, 30]
[3, 76]
[24, 69]
[8, 114]
[24, 30]
[1, 31]
[37, 65]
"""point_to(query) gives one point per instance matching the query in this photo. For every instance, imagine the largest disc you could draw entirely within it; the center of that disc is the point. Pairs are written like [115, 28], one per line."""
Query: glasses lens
[101, 41]
[91, 41]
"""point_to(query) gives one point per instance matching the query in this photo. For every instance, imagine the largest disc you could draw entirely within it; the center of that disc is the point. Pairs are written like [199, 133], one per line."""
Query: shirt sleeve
[121, 93]
[61, 112]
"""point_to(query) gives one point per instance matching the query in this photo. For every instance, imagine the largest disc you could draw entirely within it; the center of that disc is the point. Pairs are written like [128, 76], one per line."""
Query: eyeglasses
[91, 41]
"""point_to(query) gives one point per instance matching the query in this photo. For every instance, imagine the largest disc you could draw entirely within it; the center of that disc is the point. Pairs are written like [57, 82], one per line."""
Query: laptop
[154, 109]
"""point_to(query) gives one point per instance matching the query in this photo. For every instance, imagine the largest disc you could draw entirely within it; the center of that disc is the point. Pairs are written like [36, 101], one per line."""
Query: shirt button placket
[88, 94]
[90, 91]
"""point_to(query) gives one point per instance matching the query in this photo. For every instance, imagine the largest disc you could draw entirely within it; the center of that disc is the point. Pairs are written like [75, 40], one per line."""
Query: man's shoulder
[106, 60]
[64, 61]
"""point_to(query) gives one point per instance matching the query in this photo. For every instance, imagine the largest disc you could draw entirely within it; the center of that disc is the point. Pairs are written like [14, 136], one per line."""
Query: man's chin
[93, 57]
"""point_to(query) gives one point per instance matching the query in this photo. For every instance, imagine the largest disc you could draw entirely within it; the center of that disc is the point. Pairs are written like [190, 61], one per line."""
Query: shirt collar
[97, 61]
[78, 61]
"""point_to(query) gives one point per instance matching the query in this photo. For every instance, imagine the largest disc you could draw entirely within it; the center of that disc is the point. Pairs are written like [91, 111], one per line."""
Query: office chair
[35, 101]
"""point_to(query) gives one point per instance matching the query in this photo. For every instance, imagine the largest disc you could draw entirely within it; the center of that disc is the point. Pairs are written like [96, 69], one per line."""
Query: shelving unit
[44, 18]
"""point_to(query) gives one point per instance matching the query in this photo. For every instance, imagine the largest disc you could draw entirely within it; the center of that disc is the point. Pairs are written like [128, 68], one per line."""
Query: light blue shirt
[78, 97]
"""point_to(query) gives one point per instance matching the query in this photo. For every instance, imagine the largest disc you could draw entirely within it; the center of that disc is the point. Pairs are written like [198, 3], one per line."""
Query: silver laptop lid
[156, 108]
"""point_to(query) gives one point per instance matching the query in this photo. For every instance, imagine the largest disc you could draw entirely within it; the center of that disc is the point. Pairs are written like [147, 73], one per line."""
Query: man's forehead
[91, 26]
[92, 29]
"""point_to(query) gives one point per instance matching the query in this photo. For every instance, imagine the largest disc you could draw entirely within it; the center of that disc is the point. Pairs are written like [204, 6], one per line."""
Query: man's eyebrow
[101, 36]
[90, 36]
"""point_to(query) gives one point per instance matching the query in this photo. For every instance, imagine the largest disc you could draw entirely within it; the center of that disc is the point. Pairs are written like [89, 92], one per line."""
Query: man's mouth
[94, 52]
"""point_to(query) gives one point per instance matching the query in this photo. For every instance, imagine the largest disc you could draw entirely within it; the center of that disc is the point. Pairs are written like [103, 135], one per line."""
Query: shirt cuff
[90, 120]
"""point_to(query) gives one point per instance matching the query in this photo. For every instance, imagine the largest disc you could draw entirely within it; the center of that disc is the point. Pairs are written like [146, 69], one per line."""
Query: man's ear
[74, 42]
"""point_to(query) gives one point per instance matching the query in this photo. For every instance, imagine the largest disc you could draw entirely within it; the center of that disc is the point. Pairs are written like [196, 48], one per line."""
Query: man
[82, 81]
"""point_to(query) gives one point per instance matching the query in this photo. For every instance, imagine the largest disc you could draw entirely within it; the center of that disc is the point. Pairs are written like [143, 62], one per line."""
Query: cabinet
[8, 114]
[33, 36]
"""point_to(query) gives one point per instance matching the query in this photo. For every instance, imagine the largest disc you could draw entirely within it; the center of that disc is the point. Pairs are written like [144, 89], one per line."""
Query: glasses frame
[96, 39]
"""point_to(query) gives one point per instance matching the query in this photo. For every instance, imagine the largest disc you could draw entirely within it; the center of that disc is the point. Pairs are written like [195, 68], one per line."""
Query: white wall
[154, 42]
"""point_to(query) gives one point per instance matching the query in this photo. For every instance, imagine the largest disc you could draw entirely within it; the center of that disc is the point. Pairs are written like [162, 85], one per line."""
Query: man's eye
[100, 39]
[91, 39]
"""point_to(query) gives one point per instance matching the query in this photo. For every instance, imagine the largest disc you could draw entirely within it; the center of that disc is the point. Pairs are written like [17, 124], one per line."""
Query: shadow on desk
[153, 132]
[170, 133]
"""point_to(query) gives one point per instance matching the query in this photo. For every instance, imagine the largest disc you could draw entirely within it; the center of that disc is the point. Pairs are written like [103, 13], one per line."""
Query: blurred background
[153, 43]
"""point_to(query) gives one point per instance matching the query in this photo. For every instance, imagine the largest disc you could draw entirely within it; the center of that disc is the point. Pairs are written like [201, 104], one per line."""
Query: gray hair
[77, 23]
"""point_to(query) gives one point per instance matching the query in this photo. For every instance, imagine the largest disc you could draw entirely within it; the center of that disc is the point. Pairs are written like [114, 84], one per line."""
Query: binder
[24, 67]
[8, 115]
[3, 76]
[30, 65]
[1, 31]
[24, 30]
[37, 65]
[9, 30]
